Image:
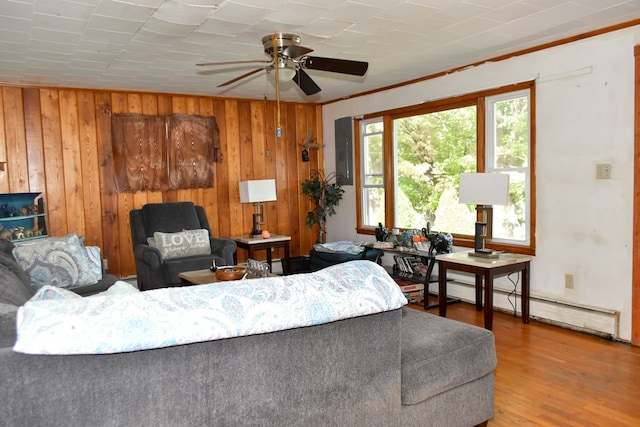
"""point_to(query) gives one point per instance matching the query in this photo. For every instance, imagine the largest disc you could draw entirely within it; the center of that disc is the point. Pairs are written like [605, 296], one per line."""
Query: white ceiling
[154, 45]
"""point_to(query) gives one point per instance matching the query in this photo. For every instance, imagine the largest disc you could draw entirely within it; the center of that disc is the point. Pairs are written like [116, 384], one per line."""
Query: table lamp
[257, 192]
[484, 190]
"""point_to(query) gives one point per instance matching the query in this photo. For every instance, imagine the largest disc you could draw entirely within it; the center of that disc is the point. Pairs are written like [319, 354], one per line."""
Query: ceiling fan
[289, 61]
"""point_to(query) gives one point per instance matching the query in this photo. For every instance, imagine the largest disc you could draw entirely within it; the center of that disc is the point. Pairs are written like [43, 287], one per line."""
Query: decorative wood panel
[59, 141]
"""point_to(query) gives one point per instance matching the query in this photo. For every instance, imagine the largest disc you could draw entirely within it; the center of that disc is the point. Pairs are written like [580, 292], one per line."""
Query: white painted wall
[584, 117]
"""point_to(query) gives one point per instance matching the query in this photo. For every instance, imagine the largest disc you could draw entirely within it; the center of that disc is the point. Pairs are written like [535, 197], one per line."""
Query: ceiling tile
[295, 14]
[72, 10]
[16, 9]
[240, 13]
[219, 26]
[112, 24]
[182, 14]
[58, 23]
[125, 10]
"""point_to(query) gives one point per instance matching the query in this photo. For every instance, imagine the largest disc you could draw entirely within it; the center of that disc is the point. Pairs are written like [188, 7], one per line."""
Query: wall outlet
[569, 281]
[603, 171]
[105, 264]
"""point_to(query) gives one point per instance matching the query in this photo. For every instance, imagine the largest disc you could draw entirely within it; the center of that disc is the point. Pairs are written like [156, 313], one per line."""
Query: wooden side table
[251, 245]
[485, 269]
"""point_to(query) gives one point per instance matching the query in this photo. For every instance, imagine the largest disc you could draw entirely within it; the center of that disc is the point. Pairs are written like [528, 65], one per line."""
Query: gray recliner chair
[152, 270]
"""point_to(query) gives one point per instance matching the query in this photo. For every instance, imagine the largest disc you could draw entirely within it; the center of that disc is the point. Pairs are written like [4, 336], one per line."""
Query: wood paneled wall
[58, 141]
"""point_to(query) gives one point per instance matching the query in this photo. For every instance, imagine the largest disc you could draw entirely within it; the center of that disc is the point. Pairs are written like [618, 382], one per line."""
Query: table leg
[488, 300]
[524, 301]
[269, 261]
[478, 292]
[286, 264]
[427, 280]
[442, 290]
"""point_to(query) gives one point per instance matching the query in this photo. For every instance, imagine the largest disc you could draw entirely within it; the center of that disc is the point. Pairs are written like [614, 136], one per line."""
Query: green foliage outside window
[433, 149]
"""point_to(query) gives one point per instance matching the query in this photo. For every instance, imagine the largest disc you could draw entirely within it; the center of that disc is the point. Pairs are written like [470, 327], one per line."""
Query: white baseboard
[593, 320]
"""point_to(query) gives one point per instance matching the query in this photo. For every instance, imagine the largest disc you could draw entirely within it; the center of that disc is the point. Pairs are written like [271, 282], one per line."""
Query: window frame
[479, 100]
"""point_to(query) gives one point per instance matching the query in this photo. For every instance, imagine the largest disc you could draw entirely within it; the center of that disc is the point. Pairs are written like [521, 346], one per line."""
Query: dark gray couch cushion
[439, 354]
[7, 324]
[14, 284]
[181, 216]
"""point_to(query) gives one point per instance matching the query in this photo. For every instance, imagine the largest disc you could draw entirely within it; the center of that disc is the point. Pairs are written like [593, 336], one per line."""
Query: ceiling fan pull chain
[276, 53]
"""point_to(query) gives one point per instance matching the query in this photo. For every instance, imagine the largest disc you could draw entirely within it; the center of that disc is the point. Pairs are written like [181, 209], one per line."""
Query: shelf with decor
[412, 270]
[22, 216]
[411, 267]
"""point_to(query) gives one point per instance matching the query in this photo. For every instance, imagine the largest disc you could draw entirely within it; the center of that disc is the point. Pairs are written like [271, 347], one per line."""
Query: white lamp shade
[259, 190]
[484, 188]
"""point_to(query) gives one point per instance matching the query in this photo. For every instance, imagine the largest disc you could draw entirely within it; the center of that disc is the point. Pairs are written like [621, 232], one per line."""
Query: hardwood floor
[551, 376]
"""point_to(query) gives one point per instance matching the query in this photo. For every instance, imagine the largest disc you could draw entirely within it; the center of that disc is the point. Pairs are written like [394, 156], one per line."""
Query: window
[410, 169]
[372, 167]
[508, 152]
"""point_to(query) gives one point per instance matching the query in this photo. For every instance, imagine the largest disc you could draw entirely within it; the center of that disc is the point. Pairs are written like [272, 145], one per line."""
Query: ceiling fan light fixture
[285, 73]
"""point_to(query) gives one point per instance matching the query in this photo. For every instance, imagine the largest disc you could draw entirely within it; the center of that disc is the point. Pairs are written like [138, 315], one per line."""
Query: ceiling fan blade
[306, 83]
[294, 51]
[257, 70]
[344, 66]
[257, 61]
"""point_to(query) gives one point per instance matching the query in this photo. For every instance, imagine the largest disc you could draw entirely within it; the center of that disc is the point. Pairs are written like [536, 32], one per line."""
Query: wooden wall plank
[90, 171]
[33, 133]
[4, 177]
[15, 140]
[293, 167]
[181, 105]
[233, 160]
[223, 200]
[210, 195]
[53, 164]
[149, 107]
[120, 105]
[135, 106]
[247, 164]
[69, 125]
[281, 172]
[271, 163]
[108, 197]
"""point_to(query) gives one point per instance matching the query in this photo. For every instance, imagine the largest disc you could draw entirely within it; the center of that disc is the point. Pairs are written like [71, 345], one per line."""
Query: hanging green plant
[326, 196]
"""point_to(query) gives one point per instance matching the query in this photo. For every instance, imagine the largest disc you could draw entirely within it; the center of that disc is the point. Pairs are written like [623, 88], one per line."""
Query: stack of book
[409, 266]
[414, 292]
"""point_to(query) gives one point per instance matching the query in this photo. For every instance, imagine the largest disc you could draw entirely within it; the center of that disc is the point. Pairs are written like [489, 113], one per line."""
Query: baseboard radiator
[594, 320]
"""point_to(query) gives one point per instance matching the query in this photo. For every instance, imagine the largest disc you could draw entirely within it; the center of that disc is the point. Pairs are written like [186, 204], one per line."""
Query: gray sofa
[393, 368]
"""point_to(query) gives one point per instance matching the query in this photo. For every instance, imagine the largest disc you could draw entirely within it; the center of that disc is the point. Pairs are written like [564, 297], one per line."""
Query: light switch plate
[603, 171]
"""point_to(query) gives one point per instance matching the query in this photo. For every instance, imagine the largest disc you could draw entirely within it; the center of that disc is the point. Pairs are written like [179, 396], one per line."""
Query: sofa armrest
[149, 255]
[224, 248]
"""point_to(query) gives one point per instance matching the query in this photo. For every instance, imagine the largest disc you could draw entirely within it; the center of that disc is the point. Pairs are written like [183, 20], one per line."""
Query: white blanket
[174, 316]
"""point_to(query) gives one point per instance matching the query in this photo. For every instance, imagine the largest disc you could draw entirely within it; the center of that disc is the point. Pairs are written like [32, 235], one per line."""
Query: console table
[251, 244]
[487, 269]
